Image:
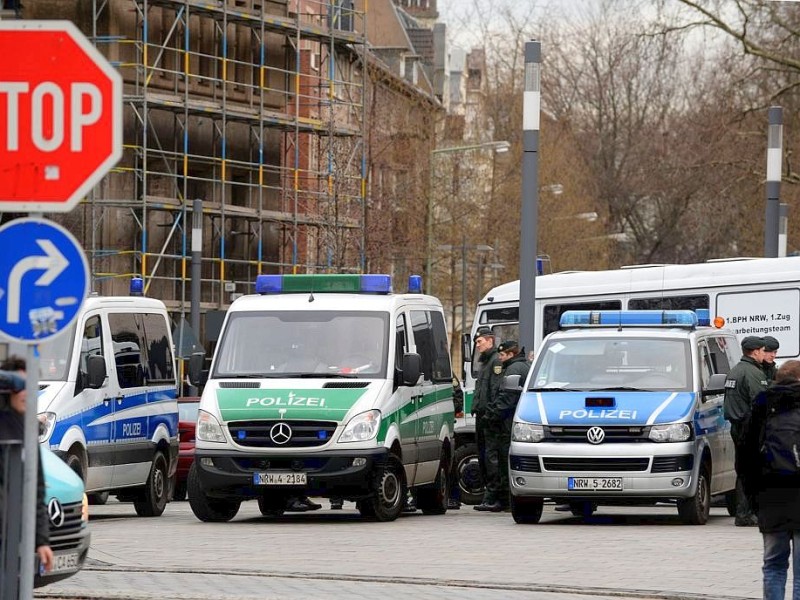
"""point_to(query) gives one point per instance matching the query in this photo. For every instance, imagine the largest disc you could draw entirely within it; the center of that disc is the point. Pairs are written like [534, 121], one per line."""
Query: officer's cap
[752, 342]
[770, 343]
[508, 346]
[483, 331]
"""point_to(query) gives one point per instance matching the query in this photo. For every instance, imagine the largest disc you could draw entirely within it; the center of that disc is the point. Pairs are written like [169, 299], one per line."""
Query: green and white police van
[326, 385]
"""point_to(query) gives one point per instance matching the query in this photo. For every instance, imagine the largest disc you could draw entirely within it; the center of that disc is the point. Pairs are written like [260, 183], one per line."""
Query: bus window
[552, 312]
[500, 315]
[669, 303]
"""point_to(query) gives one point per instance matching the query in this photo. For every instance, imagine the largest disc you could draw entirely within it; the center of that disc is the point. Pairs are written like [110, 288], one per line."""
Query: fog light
[520, 481]
[207, 462]
[359, 462]
[677, 482]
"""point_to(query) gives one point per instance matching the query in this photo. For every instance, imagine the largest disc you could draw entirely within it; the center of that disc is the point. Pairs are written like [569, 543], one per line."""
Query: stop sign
[60, 116]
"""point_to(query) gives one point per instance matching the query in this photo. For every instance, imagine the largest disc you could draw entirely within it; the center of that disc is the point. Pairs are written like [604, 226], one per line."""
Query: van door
[426, 435]
[134, 452]
[96, 407]
[405, 401]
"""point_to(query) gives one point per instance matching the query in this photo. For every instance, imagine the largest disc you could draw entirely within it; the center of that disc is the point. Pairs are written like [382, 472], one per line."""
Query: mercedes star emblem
[55, 512]
[595, 435]
[280, 433]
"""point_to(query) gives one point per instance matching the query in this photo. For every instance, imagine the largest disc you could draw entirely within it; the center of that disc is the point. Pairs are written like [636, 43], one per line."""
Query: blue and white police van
[108, 400]
[625, 407]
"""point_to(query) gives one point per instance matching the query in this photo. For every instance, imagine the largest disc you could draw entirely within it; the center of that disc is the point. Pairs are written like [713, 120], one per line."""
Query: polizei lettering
[603, 413]
[290, 400]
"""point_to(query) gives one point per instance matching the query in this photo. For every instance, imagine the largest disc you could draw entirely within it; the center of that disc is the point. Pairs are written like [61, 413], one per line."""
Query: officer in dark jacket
[775, 496]
[486, 386]
[744, 382]
[771, 346]
[499, 419]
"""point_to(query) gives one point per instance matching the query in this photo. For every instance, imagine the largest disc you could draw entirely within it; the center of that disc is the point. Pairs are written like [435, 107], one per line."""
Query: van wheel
[432, 499]
[526, 511]
[468, 473]
[152, 500]
[272, 506]
[208, 510]
[582, 509]
[98, 498]
[75, 463]
[389, 492]
[730, 503]
[694, 510]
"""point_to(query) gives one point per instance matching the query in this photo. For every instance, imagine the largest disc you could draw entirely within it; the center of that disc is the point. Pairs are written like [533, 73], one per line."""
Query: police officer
[771, 346]
[744, 382]
[499, 418]
[486, 386]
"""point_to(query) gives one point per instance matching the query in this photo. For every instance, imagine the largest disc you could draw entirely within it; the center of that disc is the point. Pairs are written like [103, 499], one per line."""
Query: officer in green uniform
[486, 386]
[744, 382]
[499, 419]
[771, 346]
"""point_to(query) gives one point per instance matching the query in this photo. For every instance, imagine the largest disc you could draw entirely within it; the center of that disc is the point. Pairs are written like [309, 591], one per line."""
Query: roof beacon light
[319, 284]
[629, 318]
[703, 317]
[414, 284]
[137, 286]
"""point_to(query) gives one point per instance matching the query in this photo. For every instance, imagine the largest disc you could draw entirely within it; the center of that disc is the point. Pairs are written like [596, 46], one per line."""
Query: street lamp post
[499, 147]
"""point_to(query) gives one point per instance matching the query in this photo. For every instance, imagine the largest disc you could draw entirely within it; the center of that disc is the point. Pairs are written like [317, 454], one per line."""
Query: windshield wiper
[618, 389]
[320, 375]
[251, 376]
[553, 389]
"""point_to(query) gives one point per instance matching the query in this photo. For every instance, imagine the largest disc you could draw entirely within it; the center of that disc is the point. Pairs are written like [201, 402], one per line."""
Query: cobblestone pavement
[621, 552]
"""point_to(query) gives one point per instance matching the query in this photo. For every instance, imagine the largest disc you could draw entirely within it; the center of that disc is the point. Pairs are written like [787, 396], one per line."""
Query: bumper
[652, 471]
[66, 562]
[225, 474]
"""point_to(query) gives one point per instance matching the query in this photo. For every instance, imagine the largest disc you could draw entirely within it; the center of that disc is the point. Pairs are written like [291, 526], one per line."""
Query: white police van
[625, 407]
[108, 400]
[326, 385]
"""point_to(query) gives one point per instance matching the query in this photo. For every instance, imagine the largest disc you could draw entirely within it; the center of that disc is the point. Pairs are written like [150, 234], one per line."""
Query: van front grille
[572, 464]
[267, 434]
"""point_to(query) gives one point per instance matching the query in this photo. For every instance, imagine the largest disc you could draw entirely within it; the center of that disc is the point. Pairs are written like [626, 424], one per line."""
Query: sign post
[60, 133]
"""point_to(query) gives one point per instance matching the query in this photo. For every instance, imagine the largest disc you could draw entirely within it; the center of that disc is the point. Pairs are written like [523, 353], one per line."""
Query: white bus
[755, 296]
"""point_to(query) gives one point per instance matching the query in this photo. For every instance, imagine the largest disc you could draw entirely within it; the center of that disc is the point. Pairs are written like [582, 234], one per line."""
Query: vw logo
[595, 435]
[55, 512]
[280, 433]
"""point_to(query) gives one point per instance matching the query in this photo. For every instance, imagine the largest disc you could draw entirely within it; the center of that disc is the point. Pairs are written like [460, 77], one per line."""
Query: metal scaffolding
[254, 106]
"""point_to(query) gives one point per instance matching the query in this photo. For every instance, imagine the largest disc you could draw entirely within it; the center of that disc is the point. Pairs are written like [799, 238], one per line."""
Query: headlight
[47, 421]
[526, 432]
[362, 427]
[674, 432]
[208, 428]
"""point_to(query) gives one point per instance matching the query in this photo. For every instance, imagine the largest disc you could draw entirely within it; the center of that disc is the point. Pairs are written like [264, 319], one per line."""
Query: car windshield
[304, 344]
[187, 411]
[54, 356]
[609, 364]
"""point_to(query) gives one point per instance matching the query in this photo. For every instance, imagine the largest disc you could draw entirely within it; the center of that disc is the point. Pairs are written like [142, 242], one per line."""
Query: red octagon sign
[60, 116]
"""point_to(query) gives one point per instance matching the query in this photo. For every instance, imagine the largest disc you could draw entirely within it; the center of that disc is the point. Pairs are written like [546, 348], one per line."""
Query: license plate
[280, 478]
[595, 484]
[64, 563]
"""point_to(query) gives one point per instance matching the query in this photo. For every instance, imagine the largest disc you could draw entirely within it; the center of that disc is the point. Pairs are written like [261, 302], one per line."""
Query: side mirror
[412, 368]
[716, 385]
[197, 376]
[466, 347]
[95, 371]
[512, 383]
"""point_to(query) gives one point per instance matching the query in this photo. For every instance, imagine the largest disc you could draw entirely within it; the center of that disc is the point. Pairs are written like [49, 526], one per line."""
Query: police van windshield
[646, 364]
[54, 356]
[304, 344]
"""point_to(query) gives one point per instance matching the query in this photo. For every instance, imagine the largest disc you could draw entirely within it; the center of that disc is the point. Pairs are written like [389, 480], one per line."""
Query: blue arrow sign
[44, 278]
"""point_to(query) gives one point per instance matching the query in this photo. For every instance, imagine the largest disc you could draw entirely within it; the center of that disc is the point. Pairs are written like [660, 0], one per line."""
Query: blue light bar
[322, 434]
[629, 318]
[414, 284]
[376, 284]
[269, 284]
[703, 317]
[137, 286]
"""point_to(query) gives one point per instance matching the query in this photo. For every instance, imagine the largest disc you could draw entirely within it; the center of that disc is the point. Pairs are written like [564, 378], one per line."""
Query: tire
[694, 510]
[730, 503]
[582, 509]
[98, 498]
[468, 474]
[152, 500]
[526, 511]
[432, 499]
[389, 492]
[272, 506]
[179, 493]
[208, 510]
[75, 463]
